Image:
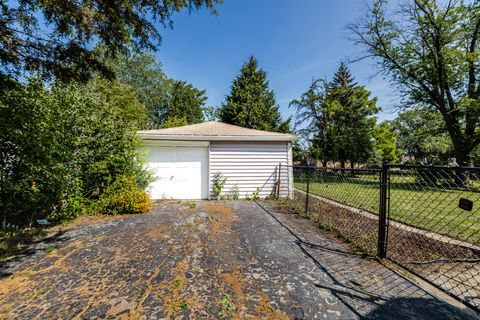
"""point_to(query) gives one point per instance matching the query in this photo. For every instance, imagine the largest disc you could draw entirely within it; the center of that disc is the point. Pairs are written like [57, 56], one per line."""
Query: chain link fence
[425, 218]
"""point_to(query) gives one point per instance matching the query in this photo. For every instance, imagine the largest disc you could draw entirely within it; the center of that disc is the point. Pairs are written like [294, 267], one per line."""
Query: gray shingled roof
[216, 131]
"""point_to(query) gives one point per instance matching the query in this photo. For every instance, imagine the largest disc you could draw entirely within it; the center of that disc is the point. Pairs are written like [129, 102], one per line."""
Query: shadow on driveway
[37, 242]
[368, 288]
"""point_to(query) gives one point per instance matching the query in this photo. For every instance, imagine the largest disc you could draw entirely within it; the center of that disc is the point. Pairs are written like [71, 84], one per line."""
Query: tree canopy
[57, 37]
[145, 75]
[431, 50]
[422, 136]
[312, 120]
[168, 101]
[384, 144]
[251, 103]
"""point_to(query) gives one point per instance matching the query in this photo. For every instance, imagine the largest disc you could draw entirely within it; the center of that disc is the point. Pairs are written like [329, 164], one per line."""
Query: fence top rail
[433, 167]
[335, 169]
[390, 165]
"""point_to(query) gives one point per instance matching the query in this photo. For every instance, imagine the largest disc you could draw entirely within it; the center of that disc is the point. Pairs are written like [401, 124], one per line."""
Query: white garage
[185, 160]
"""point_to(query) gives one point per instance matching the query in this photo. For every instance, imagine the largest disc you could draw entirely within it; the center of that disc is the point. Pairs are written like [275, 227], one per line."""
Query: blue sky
[294, 41]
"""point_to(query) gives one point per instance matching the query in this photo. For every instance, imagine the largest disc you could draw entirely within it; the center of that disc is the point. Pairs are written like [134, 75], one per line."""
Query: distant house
[185, 160]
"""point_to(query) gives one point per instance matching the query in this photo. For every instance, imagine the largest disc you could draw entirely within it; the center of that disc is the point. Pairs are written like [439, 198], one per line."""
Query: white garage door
[179, 172]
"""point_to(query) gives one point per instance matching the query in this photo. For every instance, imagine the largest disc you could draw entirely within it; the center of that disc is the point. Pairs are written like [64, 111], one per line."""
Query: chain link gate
[424, 218]
[429, 223]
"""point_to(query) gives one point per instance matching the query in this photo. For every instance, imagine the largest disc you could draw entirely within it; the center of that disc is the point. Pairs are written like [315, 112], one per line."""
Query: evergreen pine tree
[350, 108]
[251, 103]
[343, 79]
[186, 102]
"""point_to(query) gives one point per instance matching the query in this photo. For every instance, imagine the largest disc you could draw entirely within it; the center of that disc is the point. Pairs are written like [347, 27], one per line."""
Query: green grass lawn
[428, 208]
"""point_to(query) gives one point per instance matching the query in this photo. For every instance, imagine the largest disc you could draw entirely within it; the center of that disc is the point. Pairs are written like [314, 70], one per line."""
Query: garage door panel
[180, 172]
[162, 157]
[196, 164]
[188, 176]
[189, 164]
[187, 154]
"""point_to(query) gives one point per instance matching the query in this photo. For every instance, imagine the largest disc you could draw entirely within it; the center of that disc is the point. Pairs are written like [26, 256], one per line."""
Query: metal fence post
[279, 181]
[382, 213]
[308, 190]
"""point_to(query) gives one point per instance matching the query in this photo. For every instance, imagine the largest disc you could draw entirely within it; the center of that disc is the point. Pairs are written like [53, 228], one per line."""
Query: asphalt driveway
[207, 260]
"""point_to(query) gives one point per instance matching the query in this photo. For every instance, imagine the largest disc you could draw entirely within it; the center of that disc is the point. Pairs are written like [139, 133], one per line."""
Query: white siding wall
[251, 165]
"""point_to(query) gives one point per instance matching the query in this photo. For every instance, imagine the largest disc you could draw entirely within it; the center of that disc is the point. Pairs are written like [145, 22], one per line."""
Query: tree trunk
[3, 213]
[462, 176]
[4, 220]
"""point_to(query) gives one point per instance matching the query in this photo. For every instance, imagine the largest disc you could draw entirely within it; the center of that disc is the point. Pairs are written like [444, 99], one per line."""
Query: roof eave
[146, 136]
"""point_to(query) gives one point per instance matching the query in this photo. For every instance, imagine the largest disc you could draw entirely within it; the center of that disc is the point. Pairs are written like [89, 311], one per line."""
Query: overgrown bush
[123, 196]
[61, 146]
[73, 206]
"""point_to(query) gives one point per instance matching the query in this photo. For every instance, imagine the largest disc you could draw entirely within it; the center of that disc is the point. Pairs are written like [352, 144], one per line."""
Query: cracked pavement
[208, 260]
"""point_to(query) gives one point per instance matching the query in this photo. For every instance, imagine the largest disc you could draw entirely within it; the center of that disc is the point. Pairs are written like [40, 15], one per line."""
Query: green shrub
[123, 196]
[62, 145]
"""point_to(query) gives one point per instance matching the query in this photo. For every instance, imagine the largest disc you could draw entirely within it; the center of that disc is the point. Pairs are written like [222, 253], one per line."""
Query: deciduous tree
[384, 144]
[422, 136]
[167, 100]
[174, 122]
[61, 147]
[142, 72]
[313, 122]
[430, 49]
